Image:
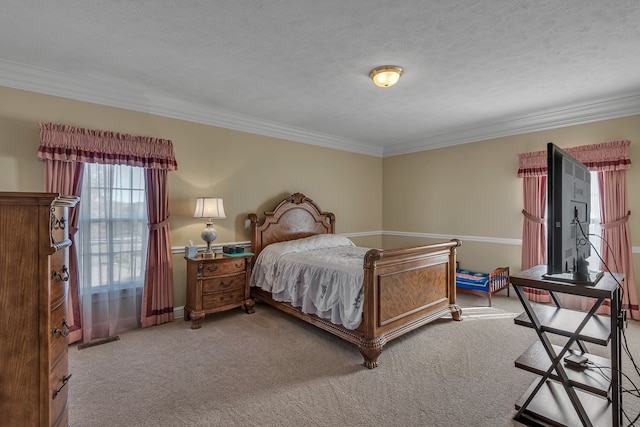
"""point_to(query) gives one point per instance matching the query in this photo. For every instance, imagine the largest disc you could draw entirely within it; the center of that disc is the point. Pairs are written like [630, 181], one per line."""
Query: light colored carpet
[269, 369]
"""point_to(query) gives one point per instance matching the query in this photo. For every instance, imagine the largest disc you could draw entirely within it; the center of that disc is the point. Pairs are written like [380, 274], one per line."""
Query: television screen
[568, 213]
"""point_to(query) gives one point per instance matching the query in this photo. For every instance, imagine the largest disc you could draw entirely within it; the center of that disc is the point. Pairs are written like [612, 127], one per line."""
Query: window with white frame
[112, 228]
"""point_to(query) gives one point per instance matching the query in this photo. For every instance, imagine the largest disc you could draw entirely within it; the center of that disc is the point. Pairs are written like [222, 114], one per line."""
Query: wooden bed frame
[497, 280]
[403, 288]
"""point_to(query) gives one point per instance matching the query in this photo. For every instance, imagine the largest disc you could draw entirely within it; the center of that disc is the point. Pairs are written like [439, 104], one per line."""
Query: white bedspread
[321, 274]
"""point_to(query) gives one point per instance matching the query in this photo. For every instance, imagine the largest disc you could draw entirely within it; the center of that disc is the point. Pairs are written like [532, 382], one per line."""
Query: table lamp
[212, 208]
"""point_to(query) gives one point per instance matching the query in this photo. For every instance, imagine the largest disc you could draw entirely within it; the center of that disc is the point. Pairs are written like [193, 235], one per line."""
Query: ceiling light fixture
[386, 76]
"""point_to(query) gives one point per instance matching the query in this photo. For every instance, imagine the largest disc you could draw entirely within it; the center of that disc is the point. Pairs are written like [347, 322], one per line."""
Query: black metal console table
[587, 394]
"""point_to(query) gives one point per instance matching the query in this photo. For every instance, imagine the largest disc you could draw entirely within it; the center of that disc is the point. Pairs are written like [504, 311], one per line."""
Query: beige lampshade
[209, 207]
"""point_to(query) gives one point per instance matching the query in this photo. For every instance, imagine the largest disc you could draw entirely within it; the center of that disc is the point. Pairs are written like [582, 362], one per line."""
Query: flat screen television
[568, 213]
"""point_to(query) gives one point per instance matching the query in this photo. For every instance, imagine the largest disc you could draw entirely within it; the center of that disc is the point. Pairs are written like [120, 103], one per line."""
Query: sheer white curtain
[595, 238]
[112, 248]
[595, 230]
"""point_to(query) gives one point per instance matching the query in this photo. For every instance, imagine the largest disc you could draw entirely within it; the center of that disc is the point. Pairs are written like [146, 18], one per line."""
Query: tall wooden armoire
[34, 269]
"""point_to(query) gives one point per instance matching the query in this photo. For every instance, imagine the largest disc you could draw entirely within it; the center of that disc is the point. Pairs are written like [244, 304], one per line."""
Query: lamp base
[206, 254]
[209, 234]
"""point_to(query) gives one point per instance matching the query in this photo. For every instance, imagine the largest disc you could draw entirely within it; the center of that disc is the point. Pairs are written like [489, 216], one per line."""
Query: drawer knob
[65, 380]
[64, 276]
[55, 331]
[226, 285]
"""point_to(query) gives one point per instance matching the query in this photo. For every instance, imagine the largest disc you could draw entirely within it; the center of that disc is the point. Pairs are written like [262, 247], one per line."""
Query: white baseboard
[178, 312]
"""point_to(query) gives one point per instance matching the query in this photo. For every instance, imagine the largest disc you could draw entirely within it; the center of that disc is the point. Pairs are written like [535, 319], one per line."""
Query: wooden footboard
[405, 289]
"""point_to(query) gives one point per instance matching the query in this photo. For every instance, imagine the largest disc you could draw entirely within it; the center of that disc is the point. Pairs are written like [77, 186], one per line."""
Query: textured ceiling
[298, 69]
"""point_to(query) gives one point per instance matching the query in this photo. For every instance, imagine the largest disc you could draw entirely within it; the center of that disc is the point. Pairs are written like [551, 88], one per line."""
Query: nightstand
[217, 284]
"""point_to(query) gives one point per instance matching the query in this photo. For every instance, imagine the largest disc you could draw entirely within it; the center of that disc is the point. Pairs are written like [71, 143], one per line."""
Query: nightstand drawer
[222, 299]
[216, 284]
[227, 267]
[223, 284]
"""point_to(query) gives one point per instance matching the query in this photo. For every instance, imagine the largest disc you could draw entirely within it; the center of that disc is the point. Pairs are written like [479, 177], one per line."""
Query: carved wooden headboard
[295, 217]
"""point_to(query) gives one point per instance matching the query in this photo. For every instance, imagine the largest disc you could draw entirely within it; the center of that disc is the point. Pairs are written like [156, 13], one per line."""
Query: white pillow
[319, 241]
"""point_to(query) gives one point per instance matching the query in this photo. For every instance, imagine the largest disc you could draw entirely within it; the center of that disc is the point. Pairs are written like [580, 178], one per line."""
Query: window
[594, 224]
[111, 234]
[113, 229]
[112, 248]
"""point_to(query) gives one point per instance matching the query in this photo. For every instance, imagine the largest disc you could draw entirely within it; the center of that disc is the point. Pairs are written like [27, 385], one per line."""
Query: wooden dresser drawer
[58, 282]
[34, 241]
[222, 299]
[58, 339]
[227, 267]
[59, 393]
[63, 418]
[59, 257]
[59, 225]
[223, 284]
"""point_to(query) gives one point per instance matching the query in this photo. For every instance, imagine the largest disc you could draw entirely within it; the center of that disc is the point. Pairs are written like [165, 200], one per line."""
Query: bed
[482, 284]
[401, 289]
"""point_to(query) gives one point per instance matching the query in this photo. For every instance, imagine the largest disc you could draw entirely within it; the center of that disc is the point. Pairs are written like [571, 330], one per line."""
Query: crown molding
[64, 85]
[33, 79]
[573, 115]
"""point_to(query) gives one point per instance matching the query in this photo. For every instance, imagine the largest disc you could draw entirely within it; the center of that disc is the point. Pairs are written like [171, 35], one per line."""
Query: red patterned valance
[606, 156]
[72, 144]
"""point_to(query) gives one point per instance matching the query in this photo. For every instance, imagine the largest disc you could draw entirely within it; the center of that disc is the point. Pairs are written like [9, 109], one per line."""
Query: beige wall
[472, 191]
[252, 173]
[467, 191]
